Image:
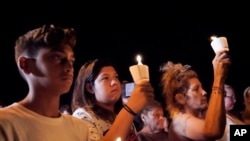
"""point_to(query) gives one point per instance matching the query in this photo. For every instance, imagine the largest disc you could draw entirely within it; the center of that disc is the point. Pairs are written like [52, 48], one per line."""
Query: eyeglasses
[231, 97]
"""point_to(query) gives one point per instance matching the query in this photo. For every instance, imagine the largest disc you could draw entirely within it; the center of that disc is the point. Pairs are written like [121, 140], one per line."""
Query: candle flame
[213, 37]
[138, 58]
[118, 139]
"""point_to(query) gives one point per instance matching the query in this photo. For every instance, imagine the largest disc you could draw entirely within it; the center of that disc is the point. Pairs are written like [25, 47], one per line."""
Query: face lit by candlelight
[138, 58]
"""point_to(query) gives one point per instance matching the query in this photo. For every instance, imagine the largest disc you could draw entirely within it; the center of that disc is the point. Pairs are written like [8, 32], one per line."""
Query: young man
[45, 58]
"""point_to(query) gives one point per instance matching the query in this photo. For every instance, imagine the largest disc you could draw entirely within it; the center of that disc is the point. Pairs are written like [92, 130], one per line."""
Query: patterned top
[97, 126]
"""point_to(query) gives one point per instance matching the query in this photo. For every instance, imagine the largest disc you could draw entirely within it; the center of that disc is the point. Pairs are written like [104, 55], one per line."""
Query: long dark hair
[83, 98]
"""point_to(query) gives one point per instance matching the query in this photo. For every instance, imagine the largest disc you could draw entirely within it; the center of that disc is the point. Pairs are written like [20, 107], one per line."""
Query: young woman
[97, 98]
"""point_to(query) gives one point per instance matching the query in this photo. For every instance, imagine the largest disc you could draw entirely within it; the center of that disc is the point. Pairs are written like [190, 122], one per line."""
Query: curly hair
[174, 80]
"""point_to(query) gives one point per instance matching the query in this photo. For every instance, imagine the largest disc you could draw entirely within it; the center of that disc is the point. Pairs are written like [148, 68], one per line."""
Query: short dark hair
[47, 36]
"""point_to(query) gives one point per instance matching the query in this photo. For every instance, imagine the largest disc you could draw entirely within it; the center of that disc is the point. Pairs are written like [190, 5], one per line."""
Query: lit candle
[118, 139]
[219, 44]
[138, 58]
[139, 71]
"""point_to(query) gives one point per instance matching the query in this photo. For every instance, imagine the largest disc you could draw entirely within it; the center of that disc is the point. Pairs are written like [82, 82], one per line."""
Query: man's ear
[89, 88]
[22, 61]
[180, 98]
[26, 64]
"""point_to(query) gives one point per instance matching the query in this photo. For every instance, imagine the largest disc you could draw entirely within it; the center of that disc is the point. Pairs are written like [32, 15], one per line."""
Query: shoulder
[183, 121]
[87, 116]
[84, 113]
[12, 115]
[73, 120]
[181, 118]
[11, 111]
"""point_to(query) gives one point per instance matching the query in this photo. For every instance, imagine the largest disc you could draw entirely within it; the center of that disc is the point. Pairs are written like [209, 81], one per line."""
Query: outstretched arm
[215, 119]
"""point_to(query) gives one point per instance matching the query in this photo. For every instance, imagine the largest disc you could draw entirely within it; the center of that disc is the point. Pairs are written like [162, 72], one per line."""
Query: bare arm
[215, 120]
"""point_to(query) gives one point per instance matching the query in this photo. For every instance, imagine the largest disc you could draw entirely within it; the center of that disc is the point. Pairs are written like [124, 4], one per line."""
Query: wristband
[128, 109]
[219, 90]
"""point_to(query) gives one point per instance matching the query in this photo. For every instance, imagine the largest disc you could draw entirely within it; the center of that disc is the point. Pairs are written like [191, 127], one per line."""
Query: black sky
[158, 31]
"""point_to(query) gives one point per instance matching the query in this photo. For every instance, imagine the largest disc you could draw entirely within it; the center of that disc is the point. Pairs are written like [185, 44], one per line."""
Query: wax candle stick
[139, 71]
[219, 44]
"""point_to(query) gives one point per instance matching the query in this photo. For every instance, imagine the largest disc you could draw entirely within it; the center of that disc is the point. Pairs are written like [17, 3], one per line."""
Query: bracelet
[128, 109]
[218, 89]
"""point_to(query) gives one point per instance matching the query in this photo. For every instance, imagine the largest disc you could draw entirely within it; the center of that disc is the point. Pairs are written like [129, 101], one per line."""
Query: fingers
[145, 86]
[221, 64]
[222, 56]
[142, 94]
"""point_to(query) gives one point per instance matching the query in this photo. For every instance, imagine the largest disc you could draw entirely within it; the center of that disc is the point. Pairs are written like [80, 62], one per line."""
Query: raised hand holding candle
[139, 71]
[219, 44]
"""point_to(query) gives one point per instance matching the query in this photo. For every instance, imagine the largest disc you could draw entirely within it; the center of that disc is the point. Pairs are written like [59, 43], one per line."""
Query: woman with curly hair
[186, 99]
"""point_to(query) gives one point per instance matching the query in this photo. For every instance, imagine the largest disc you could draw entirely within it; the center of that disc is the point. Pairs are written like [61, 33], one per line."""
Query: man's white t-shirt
[18, 123]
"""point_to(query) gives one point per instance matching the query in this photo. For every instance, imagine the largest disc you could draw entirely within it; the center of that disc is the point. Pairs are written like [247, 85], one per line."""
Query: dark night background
[158, 31]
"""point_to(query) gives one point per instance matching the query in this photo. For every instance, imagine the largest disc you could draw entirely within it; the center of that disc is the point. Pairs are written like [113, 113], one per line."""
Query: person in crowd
[246, 112]
[155, 123]
[186, 99]
[231, 118]
[65, 109]
[45, 57]
[97, 97]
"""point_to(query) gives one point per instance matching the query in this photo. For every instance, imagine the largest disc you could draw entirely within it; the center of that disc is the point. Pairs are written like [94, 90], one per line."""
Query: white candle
[139, 71]
[219, 44]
